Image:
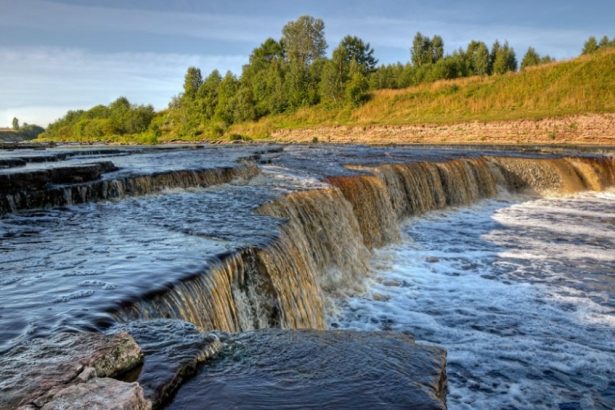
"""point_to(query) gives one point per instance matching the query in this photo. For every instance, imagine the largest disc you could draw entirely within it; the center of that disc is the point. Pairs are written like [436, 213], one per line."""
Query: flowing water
[521, 291]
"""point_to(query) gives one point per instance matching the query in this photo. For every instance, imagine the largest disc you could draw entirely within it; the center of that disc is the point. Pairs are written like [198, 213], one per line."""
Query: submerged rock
[319, 369]
[33, 373]
[172, 350]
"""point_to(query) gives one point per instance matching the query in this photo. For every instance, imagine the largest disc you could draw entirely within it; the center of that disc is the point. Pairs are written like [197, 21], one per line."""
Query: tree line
[292, 72]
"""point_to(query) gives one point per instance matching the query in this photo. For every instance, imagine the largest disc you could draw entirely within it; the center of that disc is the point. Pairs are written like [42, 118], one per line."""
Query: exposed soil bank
[589, 129]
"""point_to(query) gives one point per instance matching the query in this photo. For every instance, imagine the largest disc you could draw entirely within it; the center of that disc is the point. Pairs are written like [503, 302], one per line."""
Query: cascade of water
[323, 245]
[103, 189]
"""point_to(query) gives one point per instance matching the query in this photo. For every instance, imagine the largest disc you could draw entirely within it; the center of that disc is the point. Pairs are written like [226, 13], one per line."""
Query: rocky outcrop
[11, 183]
[100, 394]
[34, 373]
[315, 369]
[75, 185]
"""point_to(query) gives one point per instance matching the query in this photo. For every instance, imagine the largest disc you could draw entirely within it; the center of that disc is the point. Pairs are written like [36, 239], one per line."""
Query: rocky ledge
[76, 368]
[160, 363]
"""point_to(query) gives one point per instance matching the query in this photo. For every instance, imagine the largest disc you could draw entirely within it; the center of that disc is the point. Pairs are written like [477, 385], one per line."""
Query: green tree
[334, 77]
[336, 72]
[356, 49]
[15, 124]
[304, 40]
[421, 50]
[477, 55]
[425, 50]
[226, 93]
[207, 95]
[357, 84]
[437, 49]
[192, 82]
[604, 42]
[590, 46]
[531, 58]
[503, 58]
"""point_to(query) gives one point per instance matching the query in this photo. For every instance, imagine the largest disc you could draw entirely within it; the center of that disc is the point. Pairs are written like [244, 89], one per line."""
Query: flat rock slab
[39, 179]
[34, 372]
[100, 394]
[172, 351]
[318, 369]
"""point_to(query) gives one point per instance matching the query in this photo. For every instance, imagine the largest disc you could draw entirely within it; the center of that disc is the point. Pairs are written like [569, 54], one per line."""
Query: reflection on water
[522, 293]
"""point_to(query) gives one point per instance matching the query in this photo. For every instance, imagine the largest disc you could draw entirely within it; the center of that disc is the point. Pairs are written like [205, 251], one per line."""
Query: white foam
[521, 293]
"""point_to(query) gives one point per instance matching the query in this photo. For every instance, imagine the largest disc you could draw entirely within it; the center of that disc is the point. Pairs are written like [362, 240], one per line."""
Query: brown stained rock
[100, 394]
[35, 371]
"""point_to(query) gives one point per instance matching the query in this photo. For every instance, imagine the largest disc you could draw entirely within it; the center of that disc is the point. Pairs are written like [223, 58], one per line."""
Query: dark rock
[319, 369]
[36, 371]
[11, 183]
[172, 350]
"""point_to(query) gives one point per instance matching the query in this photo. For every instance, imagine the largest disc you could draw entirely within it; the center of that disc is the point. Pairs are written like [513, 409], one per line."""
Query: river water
[521, 291]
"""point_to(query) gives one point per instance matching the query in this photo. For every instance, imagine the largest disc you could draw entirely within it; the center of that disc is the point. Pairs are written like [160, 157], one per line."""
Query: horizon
[141, 50]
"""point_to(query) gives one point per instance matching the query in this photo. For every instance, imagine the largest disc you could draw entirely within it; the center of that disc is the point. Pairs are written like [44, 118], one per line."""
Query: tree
[437, 49]
[335, 76]
[207, 95]
[15, 124]
[531, 58]
[336, 72]
[426, 51]
[503, 58]
[226, 93]
[357, 84]
[421, 50]
[262, 56]
[356, 49]
[304, 40]
[477, 55]
[192, 82]
[591, 45]
[604, 42]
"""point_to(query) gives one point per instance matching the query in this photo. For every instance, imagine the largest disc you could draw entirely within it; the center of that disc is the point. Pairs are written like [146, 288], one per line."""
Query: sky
[57, 55]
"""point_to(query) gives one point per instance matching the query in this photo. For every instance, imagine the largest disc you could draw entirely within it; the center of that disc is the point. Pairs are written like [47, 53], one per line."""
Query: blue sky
[57, 55]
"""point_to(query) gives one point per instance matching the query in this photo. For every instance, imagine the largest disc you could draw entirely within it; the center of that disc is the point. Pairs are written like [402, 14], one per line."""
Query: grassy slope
[582, 85]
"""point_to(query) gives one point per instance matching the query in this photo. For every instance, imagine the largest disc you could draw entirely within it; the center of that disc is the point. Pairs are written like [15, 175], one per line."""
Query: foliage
[15, 124]
[425, 50]
[592, 45]
[293, 78]
[579, 86]
[304, 40]
[100, 122]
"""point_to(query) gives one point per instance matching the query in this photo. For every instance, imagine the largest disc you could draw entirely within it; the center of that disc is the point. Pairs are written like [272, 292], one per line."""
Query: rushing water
[520, 292]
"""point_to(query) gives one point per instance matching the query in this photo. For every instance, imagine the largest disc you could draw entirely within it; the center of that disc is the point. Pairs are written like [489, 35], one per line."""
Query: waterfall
[323, 245]
[114, 188]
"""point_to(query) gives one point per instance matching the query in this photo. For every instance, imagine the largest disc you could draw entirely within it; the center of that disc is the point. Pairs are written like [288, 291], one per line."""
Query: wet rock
[35, 371]
[39, 179]
[100, 394]
[172, 350]
[319, 369]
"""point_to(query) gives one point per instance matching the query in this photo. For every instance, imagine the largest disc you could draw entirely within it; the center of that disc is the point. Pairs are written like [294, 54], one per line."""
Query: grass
[583, 85]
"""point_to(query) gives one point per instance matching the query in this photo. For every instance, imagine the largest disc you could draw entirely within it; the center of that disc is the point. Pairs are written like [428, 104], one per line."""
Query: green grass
[580, 86]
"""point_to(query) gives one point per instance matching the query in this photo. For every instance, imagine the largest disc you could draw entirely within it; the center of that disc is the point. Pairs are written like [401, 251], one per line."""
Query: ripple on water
[504, 286]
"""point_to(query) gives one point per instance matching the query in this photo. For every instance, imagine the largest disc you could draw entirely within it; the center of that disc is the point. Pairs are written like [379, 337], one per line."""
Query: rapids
[521, 291]
[241, 238]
